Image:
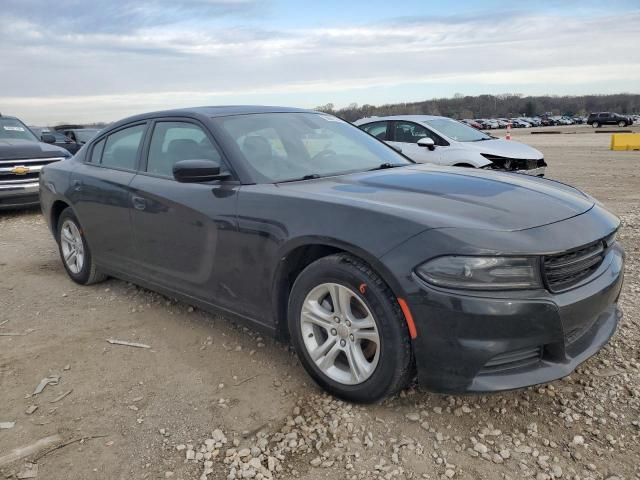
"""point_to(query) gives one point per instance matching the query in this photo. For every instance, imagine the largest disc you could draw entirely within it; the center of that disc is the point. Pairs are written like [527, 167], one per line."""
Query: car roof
[224, 110]
[212, 111]
[413, 118]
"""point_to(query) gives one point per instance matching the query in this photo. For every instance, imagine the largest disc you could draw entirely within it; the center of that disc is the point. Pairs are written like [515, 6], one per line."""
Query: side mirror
[397, 148]
[47, 138]
[194, 171]
[427, 142]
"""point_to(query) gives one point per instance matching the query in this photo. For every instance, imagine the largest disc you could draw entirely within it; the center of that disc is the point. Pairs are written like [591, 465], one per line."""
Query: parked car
[519, 123]
[607, 118]
[307, 227]
[472, 123]
[79, 135]
[60, 139]
[488, 123]
[22, 156]
[443, 141]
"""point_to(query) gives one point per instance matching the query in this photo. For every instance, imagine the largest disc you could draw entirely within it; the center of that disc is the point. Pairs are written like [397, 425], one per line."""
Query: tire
[80, 267]
[388, 365]
[622, 123]
[595, 124]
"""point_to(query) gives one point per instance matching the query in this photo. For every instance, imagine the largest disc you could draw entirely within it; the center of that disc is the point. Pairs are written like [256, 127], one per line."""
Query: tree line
[496, 106]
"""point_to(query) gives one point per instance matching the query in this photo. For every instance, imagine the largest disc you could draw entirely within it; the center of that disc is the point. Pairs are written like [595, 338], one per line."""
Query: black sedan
[375, 268]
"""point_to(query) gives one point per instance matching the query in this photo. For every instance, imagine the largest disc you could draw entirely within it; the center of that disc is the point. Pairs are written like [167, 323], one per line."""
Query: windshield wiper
[310, 176]
[384, 166]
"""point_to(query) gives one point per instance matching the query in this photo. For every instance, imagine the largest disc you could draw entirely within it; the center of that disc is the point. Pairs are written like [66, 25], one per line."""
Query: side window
[175, 141]
[377, 129]
[121, 148]
[409, 132]
[96, 153]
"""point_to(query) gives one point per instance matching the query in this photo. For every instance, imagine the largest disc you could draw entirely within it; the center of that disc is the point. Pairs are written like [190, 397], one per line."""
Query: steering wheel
[323, 153]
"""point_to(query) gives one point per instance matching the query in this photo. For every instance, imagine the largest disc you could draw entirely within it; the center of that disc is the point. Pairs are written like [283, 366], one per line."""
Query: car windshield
[456, 131]
[291, 146]
[11, 128]
[83, 136]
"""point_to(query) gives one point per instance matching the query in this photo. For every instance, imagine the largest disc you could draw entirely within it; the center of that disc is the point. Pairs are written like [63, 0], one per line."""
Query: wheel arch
[299, 254]
[464, 165]
[57, 207]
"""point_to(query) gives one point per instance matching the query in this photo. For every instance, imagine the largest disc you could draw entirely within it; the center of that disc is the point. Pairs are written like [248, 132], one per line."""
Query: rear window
[121, 148]
[96, 153]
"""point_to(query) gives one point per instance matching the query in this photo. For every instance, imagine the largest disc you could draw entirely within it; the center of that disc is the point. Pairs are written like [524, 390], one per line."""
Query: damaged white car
[443, 141]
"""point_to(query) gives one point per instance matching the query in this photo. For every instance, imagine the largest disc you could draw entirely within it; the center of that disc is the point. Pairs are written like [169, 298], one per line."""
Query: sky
[102, 60]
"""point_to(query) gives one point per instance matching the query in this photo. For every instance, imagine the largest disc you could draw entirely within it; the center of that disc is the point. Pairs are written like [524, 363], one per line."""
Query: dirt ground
[205, 379]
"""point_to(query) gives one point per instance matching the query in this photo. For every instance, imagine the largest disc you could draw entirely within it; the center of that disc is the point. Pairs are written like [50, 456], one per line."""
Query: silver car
[443, 141]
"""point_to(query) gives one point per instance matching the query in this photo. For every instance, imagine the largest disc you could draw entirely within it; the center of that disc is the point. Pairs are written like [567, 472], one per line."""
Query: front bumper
[471, 343]
[16, 195]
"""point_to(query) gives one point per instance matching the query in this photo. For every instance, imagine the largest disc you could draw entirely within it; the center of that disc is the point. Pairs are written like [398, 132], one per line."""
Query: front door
[406, 135]
[182, 230]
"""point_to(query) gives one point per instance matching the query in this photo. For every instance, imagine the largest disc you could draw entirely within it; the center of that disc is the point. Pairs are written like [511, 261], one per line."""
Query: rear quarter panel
[54, 186]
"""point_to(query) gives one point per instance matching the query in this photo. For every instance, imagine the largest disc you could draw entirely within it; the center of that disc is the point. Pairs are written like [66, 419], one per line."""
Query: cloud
[122, 16]
[158, 60]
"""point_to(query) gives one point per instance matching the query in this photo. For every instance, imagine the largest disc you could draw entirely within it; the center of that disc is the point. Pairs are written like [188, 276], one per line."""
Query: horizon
[112, 60]
[338, 109]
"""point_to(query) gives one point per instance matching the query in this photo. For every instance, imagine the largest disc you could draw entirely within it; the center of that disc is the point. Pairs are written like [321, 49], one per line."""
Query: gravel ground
[213, 400]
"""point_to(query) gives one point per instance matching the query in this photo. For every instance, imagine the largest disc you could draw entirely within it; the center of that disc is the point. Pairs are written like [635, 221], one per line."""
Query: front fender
[457, 156]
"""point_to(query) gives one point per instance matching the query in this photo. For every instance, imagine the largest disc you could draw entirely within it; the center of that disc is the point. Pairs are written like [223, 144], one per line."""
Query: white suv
[443, 141]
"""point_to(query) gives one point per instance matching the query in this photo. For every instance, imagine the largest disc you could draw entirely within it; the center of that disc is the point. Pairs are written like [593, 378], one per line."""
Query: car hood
[441, 197]
[13, 149]
[505, 148]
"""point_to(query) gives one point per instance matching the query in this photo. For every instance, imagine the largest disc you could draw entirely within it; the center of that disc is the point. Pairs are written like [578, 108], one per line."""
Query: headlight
[482, 273]
[611, 239]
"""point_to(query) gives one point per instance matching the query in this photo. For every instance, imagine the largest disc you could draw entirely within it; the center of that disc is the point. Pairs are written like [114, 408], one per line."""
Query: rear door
[406, 134]
[183, 231]
[101, 194]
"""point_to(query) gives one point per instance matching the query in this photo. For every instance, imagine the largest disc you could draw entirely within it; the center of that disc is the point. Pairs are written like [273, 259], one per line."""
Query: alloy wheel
[340, 333]
[72, 246]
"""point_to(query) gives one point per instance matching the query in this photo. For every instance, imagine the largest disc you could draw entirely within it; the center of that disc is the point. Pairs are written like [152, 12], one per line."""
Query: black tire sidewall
[83, 276]
[395, 350]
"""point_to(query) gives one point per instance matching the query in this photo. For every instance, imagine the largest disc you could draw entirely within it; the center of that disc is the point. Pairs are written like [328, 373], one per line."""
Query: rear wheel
[348, 330]
[74, 250]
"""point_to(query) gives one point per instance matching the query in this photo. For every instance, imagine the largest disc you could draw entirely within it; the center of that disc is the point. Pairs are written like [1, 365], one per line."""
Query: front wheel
[595, 124]
[348, 330]
[74, 250]
[622, 123]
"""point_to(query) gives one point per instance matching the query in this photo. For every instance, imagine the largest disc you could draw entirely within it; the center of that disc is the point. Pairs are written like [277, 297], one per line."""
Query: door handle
[139, 203]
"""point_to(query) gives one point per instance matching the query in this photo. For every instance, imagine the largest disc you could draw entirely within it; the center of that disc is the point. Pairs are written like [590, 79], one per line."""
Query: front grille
[511, 164]
[565, 270]
[513, 359]
[7, 175]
